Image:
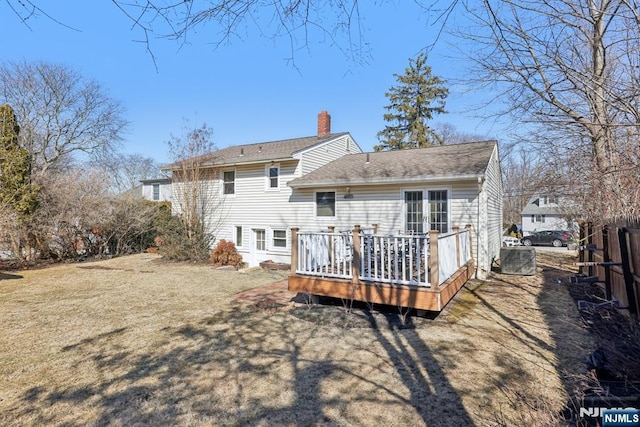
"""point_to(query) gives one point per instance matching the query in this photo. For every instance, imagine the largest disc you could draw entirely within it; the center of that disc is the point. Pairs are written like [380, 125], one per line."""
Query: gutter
[222, 165]
[394, 180]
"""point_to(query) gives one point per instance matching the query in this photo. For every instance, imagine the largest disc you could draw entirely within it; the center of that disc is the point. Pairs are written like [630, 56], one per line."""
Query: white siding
[165, 192]
[491, 216]
[252, 207]
[325, 153]
[551, 222]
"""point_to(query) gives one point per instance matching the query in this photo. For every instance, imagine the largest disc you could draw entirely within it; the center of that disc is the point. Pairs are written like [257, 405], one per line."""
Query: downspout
[478, 226]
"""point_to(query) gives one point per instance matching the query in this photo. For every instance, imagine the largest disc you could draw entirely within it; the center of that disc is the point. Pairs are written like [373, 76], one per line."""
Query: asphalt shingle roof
[446, 161]
[263, 151]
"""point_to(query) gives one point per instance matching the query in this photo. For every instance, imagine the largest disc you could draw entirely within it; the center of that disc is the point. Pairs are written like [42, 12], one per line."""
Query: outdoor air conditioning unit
[518, 260]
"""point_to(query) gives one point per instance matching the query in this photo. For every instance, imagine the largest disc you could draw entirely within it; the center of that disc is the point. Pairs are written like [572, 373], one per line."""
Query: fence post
[294, 249]
[627, 269]
[589, 241]
[605, 258]
[355, 259]
[434, 274]
[582, 243]
[456, 230]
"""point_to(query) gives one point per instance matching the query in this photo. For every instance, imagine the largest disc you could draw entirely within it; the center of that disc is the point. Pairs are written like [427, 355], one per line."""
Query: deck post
[355, 260]
[468, 227]
[456, 230]
[332, 229]
[434, 274]
[294, 249]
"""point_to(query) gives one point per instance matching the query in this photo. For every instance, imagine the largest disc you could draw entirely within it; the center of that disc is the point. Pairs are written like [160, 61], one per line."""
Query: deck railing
[421, 260]
[397, 259]
[325, 253]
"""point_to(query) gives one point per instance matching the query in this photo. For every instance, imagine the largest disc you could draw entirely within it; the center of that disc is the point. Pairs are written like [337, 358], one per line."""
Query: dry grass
[131, 340]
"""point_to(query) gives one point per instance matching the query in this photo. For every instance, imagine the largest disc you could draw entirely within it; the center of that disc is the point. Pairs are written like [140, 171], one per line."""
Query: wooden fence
[611, 251]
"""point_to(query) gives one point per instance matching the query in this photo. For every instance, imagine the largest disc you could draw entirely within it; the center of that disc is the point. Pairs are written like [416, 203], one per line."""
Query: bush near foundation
[225, 254]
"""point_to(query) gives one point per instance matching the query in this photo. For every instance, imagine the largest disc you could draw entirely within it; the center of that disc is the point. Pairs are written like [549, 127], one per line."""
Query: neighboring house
[315, 182]
[409, 191]
[157, 189]
[547, 212]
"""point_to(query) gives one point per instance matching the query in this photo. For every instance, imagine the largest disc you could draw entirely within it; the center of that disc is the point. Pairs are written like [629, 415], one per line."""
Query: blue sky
[246, 91]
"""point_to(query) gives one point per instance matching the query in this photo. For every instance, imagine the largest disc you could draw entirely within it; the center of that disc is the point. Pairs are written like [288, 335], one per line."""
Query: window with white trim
[156, 192]
[229, 182]
[326, 203]
[273, 177]
[238, 236]
[439, 210]
[537, 218]
[261, 239]
[431, 205]
[414, 212]
[279, 238]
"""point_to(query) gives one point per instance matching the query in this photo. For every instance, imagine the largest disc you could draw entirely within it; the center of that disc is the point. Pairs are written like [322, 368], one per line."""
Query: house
[268, 195]
[408, 192]
[157, 189]
[548, 212]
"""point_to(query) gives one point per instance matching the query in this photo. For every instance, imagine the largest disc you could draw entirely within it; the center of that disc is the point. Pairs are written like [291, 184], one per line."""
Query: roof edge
[382, 181]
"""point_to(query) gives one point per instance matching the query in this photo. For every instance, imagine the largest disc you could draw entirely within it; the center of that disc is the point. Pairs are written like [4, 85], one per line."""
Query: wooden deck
[418, 297]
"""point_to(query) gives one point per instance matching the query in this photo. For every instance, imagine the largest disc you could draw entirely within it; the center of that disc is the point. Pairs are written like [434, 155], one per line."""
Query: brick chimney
[324, 124]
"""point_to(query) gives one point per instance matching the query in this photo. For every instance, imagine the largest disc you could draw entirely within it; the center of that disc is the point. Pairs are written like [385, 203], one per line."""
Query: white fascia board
[250, 162]
[298, 154]
[376, 181]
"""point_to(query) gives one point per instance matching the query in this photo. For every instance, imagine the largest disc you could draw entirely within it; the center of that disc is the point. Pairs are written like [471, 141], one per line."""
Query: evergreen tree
[17, 193]
[415, 100]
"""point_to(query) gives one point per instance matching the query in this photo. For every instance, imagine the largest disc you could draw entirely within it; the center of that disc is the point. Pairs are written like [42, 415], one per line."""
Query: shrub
[226, 253]
[183, 242]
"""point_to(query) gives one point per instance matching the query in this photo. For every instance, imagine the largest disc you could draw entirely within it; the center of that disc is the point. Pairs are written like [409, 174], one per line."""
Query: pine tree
[17, 193]
[415, 100]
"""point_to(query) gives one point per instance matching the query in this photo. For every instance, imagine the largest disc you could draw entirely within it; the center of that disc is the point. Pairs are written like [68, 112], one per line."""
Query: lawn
[134, 340]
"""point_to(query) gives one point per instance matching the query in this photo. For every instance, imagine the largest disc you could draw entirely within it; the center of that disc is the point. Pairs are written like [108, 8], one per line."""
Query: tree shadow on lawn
[245, 367]
[8, 276]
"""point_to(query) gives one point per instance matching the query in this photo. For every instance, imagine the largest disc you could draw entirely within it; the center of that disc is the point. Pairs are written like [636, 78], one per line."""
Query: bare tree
[195, 198]
[127, 170]
[59, 112]
[300, 22]
[570, 70]
[450, 134]
[523, 175]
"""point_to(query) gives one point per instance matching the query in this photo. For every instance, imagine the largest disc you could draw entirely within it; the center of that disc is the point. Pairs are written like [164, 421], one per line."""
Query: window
[414, 211]
[439, 211]
[279, 238]
[326, 203]
[156, 192]
[273, 177]
[537, 218]
[261, 241]
[229, 182]
[238, 236]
